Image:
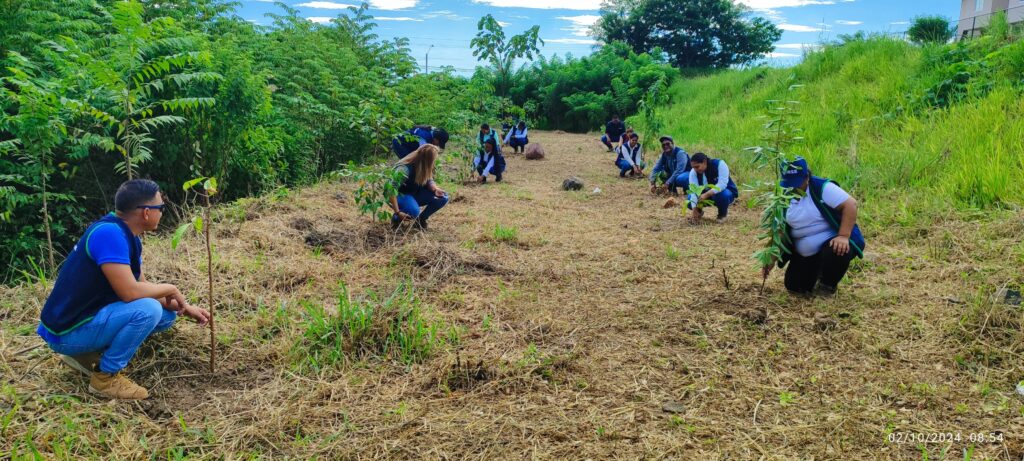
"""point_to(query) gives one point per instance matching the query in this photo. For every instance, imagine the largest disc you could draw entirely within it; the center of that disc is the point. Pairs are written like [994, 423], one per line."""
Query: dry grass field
[571, 325]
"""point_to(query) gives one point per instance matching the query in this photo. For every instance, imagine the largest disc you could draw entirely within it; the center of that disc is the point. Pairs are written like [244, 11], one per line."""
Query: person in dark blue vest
[417, 189]
[486, 133]
[613, 131]
[823, 233]
[404, 143]
[712, 175]
[489, 161]
[672, 168]
[102, 307]
[517, 138]
[630, 158]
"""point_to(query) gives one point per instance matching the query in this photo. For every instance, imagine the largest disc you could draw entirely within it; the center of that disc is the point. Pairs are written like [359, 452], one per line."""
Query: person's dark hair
[441, 136]
[615, 117]
[634, 136]
[522, 125]
[485, 127]
[699, 157]
[494, 145]
[133, 193]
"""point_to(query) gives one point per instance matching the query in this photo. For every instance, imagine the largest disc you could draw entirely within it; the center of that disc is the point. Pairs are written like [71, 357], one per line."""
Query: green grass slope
[914, 132]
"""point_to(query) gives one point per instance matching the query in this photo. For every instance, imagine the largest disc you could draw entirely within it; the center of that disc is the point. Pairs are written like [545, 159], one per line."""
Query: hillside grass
[916, 133]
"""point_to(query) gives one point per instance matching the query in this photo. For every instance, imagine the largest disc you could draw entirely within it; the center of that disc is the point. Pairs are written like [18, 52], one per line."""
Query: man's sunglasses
[666, 144]
[153, 207]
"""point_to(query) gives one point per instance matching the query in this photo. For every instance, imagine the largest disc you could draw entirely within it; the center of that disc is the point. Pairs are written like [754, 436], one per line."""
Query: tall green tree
[694, 33]
[491, 45]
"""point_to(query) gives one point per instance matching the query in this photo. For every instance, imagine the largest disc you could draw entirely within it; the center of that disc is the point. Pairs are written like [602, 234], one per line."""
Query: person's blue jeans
[410, 204]
[722, 200]
[624, 166]
[117, 330]
[608, 141]
[682, 180]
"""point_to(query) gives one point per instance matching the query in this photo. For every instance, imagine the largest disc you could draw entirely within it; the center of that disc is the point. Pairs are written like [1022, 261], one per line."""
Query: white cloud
[326, 5]
[392, 4]
[849, 23]
[782, 55]
[797, 46]
[770, 4]
[900, 23]
[580, 24]
[800, 28]
[381, 18]
[503, 24]
[591, 5]
[320, 19]
[376, 4]
[572, 41]
[445, 14]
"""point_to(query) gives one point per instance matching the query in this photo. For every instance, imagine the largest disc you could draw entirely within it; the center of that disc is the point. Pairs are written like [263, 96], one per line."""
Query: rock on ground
[572, 183]
[670, 203]
[534, 151]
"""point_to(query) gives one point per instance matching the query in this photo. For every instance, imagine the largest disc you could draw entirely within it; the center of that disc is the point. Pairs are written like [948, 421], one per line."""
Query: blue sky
[448, 25]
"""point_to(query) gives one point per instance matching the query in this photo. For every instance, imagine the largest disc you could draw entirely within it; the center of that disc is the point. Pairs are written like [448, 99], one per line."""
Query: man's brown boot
[86, 363]
[117, 386]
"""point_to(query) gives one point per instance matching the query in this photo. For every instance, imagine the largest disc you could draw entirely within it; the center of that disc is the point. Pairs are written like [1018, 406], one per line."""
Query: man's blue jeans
[117, 330]
[410, 204]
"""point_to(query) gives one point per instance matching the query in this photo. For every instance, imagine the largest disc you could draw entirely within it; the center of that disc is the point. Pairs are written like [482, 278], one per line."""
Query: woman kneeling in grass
[823, 230]
[489, 161]
[418, 188]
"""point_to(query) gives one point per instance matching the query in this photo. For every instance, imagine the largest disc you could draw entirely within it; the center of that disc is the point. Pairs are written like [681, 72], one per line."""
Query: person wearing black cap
[823, 232]
[613, 131]
[672, 168]
[406, 142]
[712, 175]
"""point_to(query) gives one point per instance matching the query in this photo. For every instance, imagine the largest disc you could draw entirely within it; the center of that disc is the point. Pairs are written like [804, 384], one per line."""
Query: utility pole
[427, 59]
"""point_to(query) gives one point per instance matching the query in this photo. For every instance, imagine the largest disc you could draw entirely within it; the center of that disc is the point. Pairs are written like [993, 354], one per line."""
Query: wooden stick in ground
[209, 274]
[763, 279]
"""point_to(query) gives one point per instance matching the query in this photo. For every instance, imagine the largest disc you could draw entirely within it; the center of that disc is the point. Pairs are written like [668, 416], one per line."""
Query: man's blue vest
[81, 289]
[711, 173]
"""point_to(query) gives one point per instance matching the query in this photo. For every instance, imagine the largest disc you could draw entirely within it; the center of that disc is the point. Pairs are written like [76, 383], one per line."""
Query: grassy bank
[915, 132]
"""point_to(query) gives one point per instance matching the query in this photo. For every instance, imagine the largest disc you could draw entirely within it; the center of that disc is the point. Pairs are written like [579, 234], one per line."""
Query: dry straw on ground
[576, 333]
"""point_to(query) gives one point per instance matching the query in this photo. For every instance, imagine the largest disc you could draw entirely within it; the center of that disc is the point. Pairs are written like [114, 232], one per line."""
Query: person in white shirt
[823, 232]
[712, 175]
[517, 138]
[630, 157]
[489, 161]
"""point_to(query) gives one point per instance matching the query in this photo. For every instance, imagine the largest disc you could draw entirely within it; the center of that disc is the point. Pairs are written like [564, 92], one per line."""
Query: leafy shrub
[930, 29]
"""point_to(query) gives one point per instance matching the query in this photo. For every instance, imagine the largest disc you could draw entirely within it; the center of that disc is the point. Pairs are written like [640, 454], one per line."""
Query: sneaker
[116, 386]
[825, 291]
[720, 219]
[422, 223]
[86, 363]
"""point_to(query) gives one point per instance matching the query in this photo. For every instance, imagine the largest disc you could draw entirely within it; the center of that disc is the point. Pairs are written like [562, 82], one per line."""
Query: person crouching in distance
[712, 175]
[672, 168]
[407, 141]
[418, 189]
[630, 158]
[102, 308]
[489, 161]
[823, 232]
[613, 131]
[518, 137]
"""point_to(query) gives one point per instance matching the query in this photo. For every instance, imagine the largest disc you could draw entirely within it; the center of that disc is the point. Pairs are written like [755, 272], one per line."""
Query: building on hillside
[975, 15]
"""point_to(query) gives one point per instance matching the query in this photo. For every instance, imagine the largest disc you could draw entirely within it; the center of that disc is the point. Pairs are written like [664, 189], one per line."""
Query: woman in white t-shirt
[823, 230]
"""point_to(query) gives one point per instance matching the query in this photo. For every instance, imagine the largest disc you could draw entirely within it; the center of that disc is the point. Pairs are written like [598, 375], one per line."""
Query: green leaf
[210, 186]
[191, 183]
[178, 234]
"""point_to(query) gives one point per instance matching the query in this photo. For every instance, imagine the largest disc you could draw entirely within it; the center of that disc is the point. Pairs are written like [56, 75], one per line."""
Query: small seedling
[505, 234]
[785, 398]
[202, 225]
[672, 252]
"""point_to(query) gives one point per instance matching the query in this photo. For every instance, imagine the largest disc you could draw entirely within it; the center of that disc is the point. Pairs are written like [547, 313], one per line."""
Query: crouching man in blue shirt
[102, 308]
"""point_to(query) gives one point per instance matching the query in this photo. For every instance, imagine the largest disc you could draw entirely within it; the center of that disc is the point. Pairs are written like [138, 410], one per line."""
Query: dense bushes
[581, 94]
[181, 88]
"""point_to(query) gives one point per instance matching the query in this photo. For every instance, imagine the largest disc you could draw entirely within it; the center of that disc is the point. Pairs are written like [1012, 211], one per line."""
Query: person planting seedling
[489, 161]
[102, 307]
[672, 168]
[823, 231]
[712, 175]
[417, 189]
[630, 157]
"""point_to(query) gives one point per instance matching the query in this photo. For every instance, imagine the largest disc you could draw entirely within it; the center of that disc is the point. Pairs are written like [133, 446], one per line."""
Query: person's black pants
[804, 272]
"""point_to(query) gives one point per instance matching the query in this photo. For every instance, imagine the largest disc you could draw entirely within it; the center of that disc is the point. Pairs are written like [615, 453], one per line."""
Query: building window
[979, 5]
